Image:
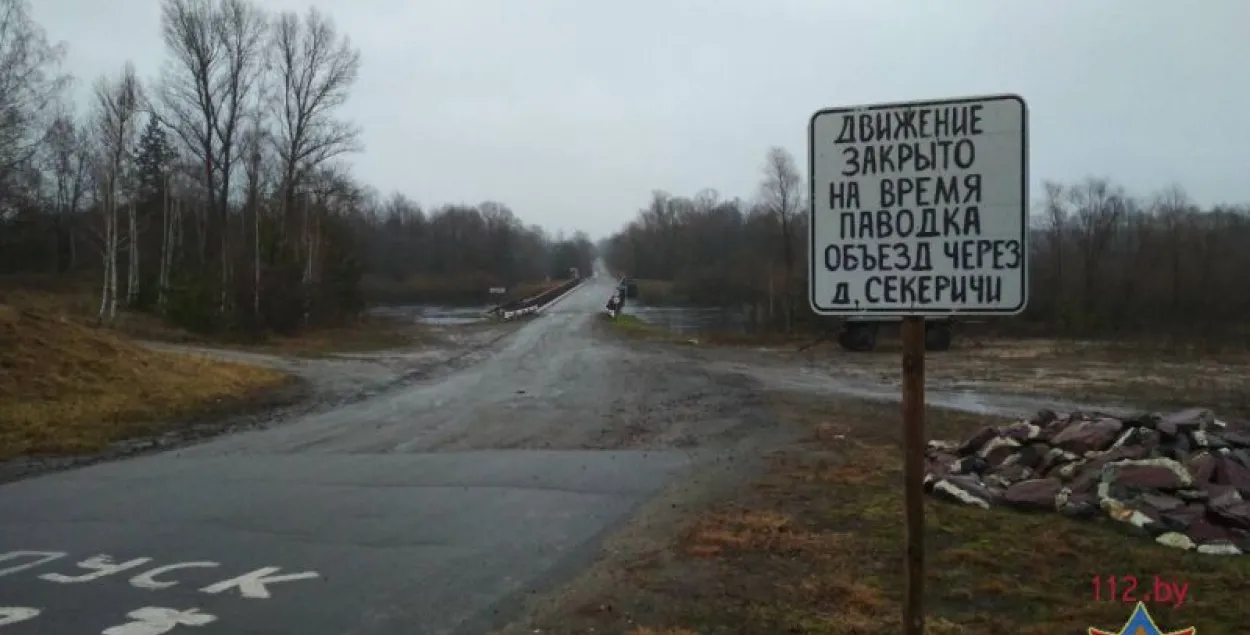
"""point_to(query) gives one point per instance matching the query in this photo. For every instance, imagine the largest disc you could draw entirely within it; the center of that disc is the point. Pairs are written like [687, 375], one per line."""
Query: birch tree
[117, 108]
[781, 196]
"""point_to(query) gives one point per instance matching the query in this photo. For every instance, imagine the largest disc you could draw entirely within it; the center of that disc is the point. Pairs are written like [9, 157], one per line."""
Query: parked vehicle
[860, 334]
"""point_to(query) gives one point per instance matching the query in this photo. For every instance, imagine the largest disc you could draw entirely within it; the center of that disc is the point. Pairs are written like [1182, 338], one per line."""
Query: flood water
[690, 320]
[678, 319]
[434, 314]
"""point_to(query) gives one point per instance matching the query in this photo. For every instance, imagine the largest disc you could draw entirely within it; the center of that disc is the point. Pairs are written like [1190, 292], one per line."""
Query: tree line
[217, 195]
[1103, 262]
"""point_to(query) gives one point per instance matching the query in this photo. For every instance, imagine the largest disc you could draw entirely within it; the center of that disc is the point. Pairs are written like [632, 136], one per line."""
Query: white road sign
[920, 208]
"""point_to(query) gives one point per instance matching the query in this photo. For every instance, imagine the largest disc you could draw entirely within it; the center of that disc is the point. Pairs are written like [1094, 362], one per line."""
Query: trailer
[859, 334]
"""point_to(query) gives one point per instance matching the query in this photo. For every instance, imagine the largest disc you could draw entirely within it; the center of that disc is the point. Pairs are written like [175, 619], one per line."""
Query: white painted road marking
[148, 580]
[149, 620]
[45, 557]
[252, 585]
[103, 565]
[15, 614]
[155, 620]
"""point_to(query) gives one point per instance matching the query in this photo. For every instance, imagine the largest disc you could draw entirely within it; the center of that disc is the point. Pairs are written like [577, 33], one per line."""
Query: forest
[1104, 262]
[218, 195]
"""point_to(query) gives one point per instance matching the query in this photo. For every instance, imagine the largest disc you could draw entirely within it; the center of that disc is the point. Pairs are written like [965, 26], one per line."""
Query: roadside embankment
[70, 388]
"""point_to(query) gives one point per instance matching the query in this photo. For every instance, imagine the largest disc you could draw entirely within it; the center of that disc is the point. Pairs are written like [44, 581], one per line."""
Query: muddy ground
[1005, 376]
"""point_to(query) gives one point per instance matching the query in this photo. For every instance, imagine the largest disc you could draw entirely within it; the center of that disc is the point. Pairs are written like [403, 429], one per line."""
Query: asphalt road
[432, 509]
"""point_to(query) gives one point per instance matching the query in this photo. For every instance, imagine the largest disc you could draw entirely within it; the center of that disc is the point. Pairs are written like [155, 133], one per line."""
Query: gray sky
[572, 111]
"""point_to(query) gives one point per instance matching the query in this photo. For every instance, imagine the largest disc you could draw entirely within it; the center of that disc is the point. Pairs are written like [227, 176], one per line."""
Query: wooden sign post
[918, 209]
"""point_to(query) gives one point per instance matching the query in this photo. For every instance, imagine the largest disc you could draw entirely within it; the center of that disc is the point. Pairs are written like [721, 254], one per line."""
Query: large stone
[1231, 473]
[1087, 436]
[996, 450]
[1201, 467]
[1161, 474]
[1054, 458]
[1032, 455]
[1034, 494]
[1172, 424]
[1087, 480]
[1203, 530]
[968, 465]
[974, 443]
[1043, 417]
[1013, 473]
[1162, 502]
[965, 489]
[1068, 471]
[1021, 431]
[1236, 438]
[1180, 518]
[1077, 505]
[1182, 479]
[1175, 540]
[1231, 509]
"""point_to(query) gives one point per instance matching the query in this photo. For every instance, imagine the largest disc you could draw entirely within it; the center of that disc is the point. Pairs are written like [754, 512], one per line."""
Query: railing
[538, 303]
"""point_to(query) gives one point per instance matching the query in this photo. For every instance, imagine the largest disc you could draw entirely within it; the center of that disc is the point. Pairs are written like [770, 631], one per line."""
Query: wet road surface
[435, 508]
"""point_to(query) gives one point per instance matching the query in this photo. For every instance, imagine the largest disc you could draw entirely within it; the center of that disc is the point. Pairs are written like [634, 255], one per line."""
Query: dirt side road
[437, 506]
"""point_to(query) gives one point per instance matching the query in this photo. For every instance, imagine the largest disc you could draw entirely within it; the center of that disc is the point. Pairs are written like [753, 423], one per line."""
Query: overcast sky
[572, 111]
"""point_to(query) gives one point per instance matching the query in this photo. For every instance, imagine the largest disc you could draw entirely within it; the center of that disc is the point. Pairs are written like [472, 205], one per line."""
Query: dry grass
[369, 333]
[67, 387]
[817, 548]
[631, 326]
[72, 298]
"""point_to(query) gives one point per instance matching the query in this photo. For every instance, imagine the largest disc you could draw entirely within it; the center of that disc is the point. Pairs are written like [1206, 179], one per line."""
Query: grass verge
[633, 327]
[368, 333]
[68, 388]
[816, 547]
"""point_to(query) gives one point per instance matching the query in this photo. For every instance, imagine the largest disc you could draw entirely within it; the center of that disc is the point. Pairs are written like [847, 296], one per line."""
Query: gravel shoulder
[333, 377]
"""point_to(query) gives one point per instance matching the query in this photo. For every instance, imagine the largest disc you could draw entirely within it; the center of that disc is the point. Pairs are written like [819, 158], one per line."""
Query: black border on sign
[1024, 208]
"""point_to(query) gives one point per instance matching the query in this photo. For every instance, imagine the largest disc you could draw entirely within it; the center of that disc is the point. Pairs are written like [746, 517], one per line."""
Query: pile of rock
[1182, 479]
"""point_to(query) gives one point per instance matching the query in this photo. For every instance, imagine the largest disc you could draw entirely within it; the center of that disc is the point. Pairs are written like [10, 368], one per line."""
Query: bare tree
[66, 159]
[217, 47]
[30, 85]
[117, 103]
[315, 69]
[1099, 208]
[781, 196]
[1171, 205]
[253, 146]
